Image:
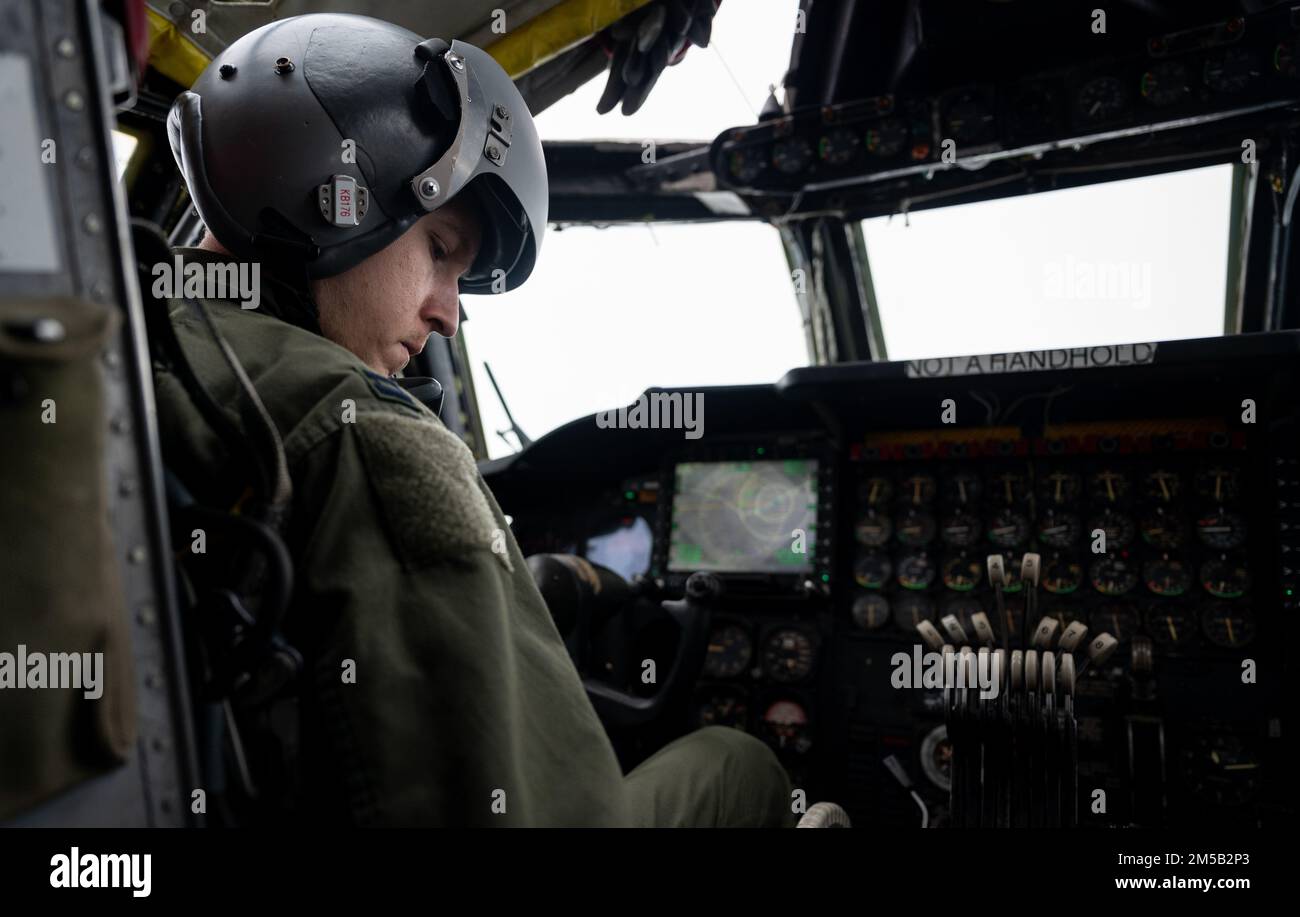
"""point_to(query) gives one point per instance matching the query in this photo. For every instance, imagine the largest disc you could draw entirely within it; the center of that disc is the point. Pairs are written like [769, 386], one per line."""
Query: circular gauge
[1166, 577]
[915, 528]
[967, 118]
[1224, 578]
[792, 155]
[1220, 770]
[1061, 576]
[787, 655]
[873, 570]
[936, 758]
[1059, 530]
[915, 571]
[911, 610]
[1102, 99]
[730, 650]
[1060, 487]
[962, 573]
[961, 530]
[1222, 530]
[1284, 59]
[1231, 70]
[747, 163]
[1035, 110]
[785, 724]
[1218, 484]
[1162, 485]
[871, 611]
[1108, 486]
[886, 138]
[723, 708]
[962, 488]
[873, 529]
[1009, 487]
[1115, 619]
[1166, 83]
[876, 491]
[963, 607]
[1170, 623]
[838, 146]
[1119, 528]
[1228, 625]
[917, 489]
[1162, 530]
[1008, 528]
[1112, 575]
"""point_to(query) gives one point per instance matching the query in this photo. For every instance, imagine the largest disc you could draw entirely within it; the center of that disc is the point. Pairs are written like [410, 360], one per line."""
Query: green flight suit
[464, 707]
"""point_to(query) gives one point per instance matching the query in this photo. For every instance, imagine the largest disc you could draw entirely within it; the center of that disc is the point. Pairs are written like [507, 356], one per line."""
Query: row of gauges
[969, 116]
[1107, 486]
[786, 654]
[1224, 577]
[1218, 529]
[784, 722]
[1225, 624]
[881, 140]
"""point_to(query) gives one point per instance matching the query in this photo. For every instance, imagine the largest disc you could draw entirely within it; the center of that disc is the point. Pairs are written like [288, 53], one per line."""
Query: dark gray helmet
[315, 141]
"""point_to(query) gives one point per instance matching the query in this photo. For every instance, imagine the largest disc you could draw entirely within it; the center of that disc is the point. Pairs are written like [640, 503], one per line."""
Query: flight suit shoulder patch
[430, 490]
[386, 389]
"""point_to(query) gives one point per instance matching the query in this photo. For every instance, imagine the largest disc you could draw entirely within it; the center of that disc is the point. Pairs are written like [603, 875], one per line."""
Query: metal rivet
[119, 424]
[137, 555]
[126, 487]
[501, 111]
[493, 153]
[85, 157]
[65, 47]
[99, 291]
[227, 71]
[456, 62]
[283, 65]
[74, 100]
[146, 615]
[92, 224]
[429, 189]
[111, 359]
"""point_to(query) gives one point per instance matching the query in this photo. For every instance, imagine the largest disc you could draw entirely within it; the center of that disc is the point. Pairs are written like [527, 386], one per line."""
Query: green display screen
[744, 517]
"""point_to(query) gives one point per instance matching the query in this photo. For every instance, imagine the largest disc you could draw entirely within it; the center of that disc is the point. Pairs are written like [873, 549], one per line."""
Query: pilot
[373, 176]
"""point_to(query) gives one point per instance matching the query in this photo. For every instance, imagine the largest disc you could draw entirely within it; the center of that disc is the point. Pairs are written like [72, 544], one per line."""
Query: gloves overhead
[645, 42]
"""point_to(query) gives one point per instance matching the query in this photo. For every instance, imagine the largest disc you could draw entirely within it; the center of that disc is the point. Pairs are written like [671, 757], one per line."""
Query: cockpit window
[610, 312]
[1128, 261]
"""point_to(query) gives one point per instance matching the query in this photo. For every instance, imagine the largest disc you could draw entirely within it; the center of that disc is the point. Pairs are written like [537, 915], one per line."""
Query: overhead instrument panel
[1225, 70]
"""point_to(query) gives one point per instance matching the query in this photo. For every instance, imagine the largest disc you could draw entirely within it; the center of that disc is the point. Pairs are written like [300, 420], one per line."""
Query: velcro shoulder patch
[430, 490]
[386, 389]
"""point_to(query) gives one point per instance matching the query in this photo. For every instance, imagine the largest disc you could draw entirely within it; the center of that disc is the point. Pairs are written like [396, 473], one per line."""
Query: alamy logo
[238, 280]
[79, 671]
[659, 411]
[948, 670]
[103, 870]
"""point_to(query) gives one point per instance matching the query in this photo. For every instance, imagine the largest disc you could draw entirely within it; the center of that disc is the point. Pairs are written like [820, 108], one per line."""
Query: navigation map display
[744, 517]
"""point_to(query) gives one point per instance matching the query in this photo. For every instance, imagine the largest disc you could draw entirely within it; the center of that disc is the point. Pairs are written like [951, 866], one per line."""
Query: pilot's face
[384, 309]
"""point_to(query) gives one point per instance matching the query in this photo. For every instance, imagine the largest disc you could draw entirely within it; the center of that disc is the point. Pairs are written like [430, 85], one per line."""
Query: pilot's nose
[442, 310]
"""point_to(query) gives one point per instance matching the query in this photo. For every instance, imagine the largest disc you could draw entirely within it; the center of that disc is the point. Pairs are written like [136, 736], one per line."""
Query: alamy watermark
[920, 669]
[57, 671]
[1124, 282]
[238, 280]
[658, 411]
